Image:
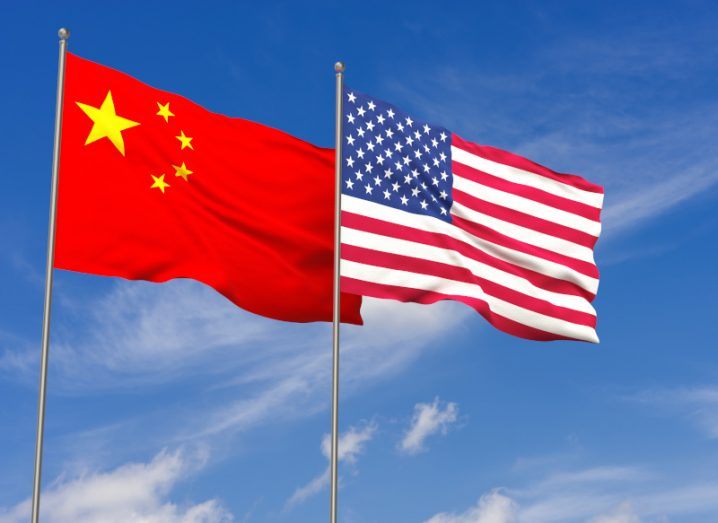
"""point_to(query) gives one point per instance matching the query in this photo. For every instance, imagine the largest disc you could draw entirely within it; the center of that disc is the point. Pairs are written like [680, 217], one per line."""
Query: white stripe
[388, 244]
[433, 225]
[508, 310]
[515, 175]
[524, 234]
[527, 206]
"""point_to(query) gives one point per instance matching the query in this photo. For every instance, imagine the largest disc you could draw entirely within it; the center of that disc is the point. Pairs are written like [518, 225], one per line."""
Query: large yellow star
[106, 123]
[182, 171]
[185, 140]
[159, 182]
[164, 111]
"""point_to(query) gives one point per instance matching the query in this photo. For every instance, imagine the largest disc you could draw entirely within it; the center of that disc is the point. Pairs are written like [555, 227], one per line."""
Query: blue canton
[391, 159]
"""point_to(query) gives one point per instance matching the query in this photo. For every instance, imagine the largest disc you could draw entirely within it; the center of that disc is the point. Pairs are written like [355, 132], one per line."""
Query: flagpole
[63, 34]
[339, 70]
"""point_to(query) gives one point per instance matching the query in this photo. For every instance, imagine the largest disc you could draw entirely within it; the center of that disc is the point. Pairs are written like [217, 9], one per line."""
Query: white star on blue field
[411, 174]
[167, 404]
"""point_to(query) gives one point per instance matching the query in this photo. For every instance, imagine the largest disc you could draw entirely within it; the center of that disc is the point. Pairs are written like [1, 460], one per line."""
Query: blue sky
[169, 405]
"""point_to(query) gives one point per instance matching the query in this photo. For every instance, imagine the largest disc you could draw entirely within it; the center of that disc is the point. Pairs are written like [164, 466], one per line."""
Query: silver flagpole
[63, 34]
[339, 70]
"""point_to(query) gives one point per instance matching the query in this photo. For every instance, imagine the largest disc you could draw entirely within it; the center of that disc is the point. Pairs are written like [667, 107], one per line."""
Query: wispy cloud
[351, 445]
[595, 475]
[245, 371]
[393, 337]
[142, 334]
[582, 106]
[17, 356]
[493, 507]
[578, 494]
[594, 495]
[428, 419]
[697, 404]
[351, 442]
[623, 513]
[131, 493]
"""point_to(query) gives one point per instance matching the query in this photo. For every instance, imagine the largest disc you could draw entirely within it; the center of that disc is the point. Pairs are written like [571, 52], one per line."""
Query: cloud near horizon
[600, 494]
[493, 507]
[131, 493]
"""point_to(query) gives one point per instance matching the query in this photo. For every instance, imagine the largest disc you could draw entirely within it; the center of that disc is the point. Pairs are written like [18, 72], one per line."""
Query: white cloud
[351, 445]
[244, 370]
[627, 210]
[289, 377]
[296, 383]
[576, 495]
[595, 475]
[651, 158]
[17, 362]
[305, 492]
[144, 334]
[132, 493]
[429, 419]
[594, 495]
[624, 513]
[647, 166]
[493, 507]
[697, 404]
[686, 499]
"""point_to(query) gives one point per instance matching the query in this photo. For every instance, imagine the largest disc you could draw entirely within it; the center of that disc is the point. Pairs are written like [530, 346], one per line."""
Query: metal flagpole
[339, 70]
[63, 34]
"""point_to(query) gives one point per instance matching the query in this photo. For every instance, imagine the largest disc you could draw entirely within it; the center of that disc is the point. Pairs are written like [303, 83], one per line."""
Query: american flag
[428, 216]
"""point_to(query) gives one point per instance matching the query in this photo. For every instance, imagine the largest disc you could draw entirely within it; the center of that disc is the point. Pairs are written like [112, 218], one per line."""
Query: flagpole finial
[63, 33]
[339, 67]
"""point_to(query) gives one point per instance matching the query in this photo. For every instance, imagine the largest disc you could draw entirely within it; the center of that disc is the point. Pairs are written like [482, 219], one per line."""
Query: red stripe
[462, 274]
[513, 160]
[443, 241]
[524, 220]
[377, 290]
[488, 234]
[525, 191]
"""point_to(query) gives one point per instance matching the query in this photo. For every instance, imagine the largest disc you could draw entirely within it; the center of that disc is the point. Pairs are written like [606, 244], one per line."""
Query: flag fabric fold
[428, 216]
[154, 187]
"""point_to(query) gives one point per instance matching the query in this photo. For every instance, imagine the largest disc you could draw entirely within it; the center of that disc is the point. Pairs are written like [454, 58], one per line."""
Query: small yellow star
[159, 182]
[106, 123]
[182, 171]
[185, 140]
[164, 111]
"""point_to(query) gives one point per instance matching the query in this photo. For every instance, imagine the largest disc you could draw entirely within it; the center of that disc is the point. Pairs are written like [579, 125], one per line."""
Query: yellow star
[182, 171]
[185, 140]
[159, 182]
[164, 111]
[106, 123]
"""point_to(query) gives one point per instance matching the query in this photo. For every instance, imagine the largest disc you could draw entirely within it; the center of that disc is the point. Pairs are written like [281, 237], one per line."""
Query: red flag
[154, 187]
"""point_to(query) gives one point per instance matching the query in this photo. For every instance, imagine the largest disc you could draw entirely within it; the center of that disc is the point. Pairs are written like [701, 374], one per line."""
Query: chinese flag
[154, 187]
